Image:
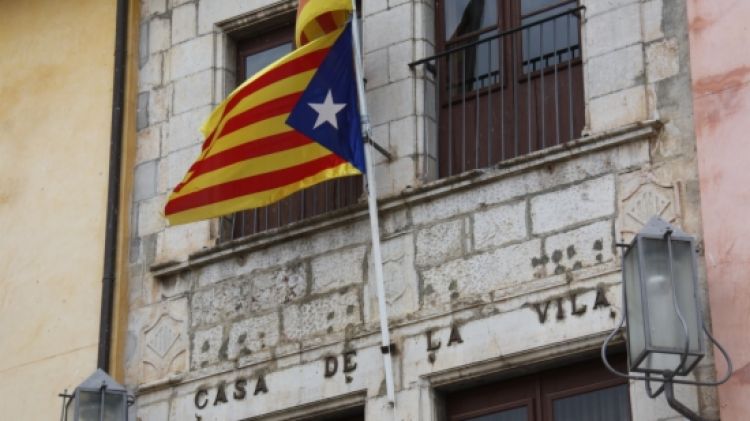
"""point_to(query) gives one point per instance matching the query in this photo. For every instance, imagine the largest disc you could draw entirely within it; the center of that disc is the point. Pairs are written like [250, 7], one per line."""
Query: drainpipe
[113, 189]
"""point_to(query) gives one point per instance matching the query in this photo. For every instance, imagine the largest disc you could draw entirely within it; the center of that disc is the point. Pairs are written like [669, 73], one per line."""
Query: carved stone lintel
[644, 196]
[164, 349]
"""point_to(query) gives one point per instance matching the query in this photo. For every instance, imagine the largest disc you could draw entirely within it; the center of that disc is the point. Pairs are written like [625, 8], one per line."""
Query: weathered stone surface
[338, 269]
[402, 136]
[501, 225]
[252, 335]
[325, 315]
[220, 271]
[179, 161]
[348, 235]
[630, 104]
[144, 180]
[399, 55]
[614, 71]
[191, 56]
[652, 20]
[612, 30]
[207, 347]
[193, 92]
[150, 219]
[400, 280]
[374, 6]
[595, 7]
[583, 247]
[662, 60]
[149, 144]
[440, 243]
[573, 205]
[150, 74]
[175, 243]
[211, 13]
[184, 25]
[223, 301]
[152, 7]
[277, 287]
[376, 68]
[390, 26]
[160, 105]
[141, 112]
[481, 274]
[391, 102]
[159, 35]
[155, 412]
[398, 175]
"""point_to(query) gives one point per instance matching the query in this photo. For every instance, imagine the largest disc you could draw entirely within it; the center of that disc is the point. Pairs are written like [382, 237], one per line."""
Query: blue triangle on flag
[327, 111]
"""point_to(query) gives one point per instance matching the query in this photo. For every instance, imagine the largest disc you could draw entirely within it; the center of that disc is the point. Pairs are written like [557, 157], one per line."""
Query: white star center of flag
[327, 111]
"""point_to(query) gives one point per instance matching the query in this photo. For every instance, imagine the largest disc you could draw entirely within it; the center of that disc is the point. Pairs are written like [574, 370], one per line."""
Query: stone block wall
[520, 262]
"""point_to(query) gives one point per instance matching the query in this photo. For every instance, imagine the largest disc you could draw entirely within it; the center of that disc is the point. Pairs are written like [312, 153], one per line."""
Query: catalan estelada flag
[290, 126]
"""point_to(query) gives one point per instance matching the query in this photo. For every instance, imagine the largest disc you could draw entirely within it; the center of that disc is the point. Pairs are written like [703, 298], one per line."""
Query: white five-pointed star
[327, 111]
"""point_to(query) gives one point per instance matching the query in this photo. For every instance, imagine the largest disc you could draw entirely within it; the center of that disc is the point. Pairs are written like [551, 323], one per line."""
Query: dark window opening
[254, 53]
[580, 392]
[508, 78]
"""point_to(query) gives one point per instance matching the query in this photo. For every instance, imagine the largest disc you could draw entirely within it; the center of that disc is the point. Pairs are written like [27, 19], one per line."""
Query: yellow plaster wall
[56, 63]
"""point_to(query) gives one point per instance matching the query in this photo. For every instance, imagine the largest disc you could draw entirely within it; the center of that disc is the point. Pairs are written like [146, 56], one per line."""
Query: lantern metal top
[99, 379]
[658, 228]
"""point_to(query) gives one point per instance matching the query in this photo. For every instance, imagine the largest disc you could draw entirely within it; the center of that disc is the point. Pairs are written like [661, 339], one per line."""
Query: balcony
[497, 95]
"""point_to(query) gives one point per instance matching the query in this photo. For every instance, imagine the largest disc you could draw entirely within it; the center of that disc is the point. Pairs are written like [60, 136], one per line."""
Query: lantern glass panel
[666, 332]
[114, 406]
[686, 281]
[89, 405]
[636, 335]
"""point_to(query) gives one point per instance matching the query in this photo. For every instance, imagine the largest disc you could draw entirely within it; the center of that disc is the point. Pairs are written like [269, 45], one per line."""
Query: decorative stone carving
[165, 344]
[643, 195]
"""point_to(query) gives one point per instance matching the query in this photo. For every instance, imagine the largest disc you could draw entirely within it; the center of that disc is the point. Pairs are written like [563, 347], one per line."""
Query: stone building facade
[491, 273]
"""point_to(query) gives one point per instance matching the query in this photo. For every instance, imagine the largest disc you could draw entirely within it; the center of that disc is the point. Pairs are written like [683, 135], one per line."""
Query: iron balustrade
[501, 95]
[322, 198]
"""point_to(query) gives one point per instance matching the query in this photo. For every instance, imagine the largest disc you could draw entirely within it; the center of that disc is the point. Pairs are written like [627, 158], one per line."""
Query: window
[253, 54]
[581, 392]
[508, 79]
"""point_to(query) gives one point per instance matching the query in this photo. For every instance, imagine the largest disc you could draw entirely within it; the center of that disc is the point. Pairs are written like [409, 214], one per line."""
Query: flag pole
[377, 259]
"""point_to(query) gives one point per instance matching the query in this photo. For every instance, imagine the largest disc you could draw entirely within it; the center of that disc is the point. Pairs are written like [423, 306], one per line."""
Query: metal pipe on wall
[113, 188]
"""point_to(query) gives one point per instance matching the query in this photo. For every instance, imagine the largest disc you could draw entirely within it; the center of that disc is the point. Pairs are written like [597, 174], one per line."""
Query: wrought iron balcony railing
[504, 94]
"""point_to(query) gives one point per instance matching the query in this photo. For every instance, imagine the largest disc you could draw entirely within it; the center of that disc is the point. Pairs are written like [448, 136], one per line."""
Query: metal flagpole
[373, 208]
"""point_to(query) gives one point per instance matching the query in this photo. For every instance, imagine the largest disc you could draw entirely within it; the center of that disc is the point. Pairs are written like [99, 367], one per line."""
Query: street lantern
[662, 302]
[98, 398]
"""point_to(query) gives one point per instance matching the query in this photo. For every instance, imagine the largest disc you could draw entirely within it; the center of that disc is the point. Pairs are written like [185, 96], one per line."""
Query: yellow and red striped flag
[251, 156]
[316, 18]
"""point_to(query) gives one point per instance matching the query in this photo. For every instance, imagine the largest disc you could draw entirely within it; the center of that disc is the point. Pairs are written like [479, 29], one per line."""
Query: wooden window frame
[536, 391]
[473, 133]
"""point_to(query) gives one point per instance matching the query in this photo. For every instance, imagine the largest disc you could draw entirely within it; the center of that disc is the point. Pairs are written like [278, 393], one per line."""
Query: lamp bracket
[678, 406]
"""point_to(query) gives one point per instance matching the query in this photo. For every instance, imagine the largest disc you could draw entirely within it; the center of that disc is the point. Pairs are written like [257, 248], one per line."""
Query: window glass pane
[476, 66]
[256, 62]
[529, 6]
[552, 41]
[90, 403]
[517, 414]
[466, 16]
[114, 406]
[611, 404]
